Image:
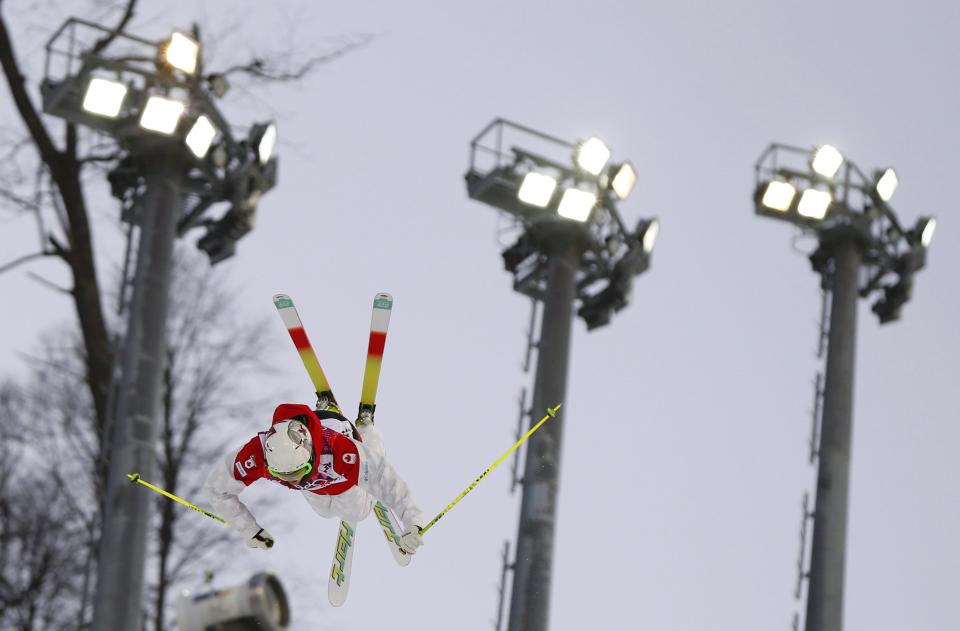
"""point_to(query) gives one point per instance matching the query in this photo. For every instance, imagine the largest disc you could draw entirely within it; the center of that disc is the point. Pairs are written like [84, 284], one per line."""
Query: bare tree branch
[15, 79]
[16, 200]
[105, 41]
[267, 70]
[108, 157]
[16, 147]
[70, 140]
[46, 283]
[24, 259]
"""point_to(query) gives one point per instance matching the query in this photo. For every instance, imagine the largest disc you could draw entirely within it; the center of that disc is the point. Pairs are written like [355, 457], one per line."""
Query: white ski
[392, 531]
[379, 324]
[339, 584]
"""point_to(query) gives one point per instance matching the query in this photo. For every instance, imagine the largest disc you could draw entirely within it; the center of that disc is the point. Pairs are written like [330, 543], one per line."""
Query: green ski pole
[551, 412]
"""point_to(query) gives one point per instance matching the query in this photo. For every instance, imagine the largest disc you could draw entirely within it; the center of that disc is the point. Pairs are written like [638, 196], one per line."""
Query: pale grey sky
[687, 418]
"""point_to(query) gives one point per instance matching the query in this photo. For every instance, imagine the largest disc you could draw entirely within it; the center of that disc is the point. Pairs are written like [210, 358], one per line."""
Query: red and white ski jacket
[351, 472]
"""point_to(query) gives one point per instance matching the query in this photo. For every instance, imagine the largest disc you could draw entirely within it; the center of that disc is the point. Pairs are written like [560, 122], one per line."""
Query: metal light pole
[533, 567]
[123, 541]
[856, 228]
[825, 593]
[572, 239]
[173, 145]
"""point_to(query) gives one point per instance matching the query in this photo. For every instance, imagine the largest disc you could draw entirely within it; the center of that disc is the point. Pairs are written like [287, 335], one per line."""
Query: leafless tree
[60, 189]
[68, 394]
[49, 489]
[41, 539]
[210, 354]
[62, 166]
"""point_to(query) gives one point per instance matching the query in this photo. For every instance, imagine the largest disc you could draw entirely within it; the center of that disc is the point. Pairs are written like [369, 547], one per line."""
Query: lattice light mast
[573, 248]
[824, 194]
[176, 158]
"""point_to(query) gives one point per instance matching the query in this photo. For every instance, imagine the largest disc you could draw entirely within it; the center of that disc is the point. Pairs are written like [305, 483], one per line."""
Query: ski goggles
[292, 476]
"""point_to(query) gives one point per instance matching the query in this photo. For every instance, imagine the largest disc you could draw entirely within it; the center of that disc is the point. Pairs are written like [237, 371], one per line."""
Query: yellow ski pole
[135, 477]
[551, 412]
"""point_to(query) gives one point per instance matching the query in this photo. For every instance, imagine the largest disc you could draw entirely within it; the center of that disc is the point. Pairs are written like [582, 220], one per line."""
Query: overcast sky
[687, 418]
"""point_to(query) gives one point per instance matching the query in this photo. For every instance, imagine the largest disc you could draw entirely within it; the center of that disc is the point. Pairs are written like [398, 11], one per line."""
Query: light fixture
[576, 204]
[623, 180]
[890, 306]
[161, 114]
[524, 248]
[182, 52]
[201, 136]
[592, 155]
[926, 226]
[814, 203]
[104, 97]
[266, 143]
[650, 235]
[779, 195]
[536, 189]
[827, 160]
[887, 184]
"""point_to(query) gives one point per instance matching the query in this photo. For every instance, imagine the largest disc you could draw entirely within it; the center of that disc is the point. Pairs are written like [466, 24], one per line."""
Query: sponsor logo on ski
[386, 523]
[344, 542]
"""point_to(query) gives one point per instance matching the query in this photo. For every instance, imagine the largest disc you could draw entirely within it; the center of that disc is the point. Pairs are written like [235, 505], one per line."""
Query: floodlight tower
[175, 149]
[849, 213]
[572, 246]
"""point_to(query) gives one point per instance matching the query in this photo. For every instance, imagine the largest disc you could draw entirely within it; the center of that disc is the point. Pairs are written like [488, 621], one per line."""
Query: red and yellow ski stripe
[291, 320]
[379, 322]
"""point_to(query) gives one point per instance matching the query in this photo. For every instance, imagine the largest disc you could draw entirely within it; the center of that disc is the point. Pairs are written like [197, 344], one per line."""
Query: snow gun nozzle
[134, 477]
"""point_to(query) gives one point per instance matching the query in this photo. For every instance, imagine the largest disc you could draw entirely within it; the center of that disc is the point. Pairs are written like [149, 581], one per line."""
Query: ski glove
[411, 540]
[262, 539]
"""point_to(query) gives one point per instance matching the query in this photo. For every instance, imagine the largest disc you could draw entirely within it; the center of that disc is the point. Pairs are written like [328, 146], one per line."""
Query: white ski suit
[349, 476]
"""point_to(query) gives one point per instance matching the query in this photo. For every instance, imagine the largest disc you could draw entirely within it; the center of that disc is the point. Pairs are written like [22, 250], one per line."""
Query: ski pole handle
[551, 412]
[135, 477]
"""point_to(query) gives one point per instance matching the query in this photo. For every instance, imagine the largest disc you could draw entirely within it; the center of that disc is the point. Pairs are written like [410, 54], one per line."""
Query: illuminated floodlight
[592, 155]
[624, 180]
[778, 195]
[887, 184]
[161, 114]
[827, 160]
[104, 97]
[650, 235]
[201, 136]
[267, 143]
[182, 52]
[537, 189]
[926, 227]
[814, 203]
[576, 204]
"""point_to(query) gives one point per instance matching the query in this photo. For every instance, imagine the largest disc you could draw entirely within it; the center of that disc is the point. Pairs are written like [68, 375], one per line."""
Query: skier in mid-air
[340, 468]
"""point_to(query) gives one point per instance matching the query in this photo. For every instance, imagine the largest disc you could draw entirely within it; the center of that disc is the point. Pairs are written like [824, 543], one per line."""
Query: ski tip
[383, 300]
[282, 301]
